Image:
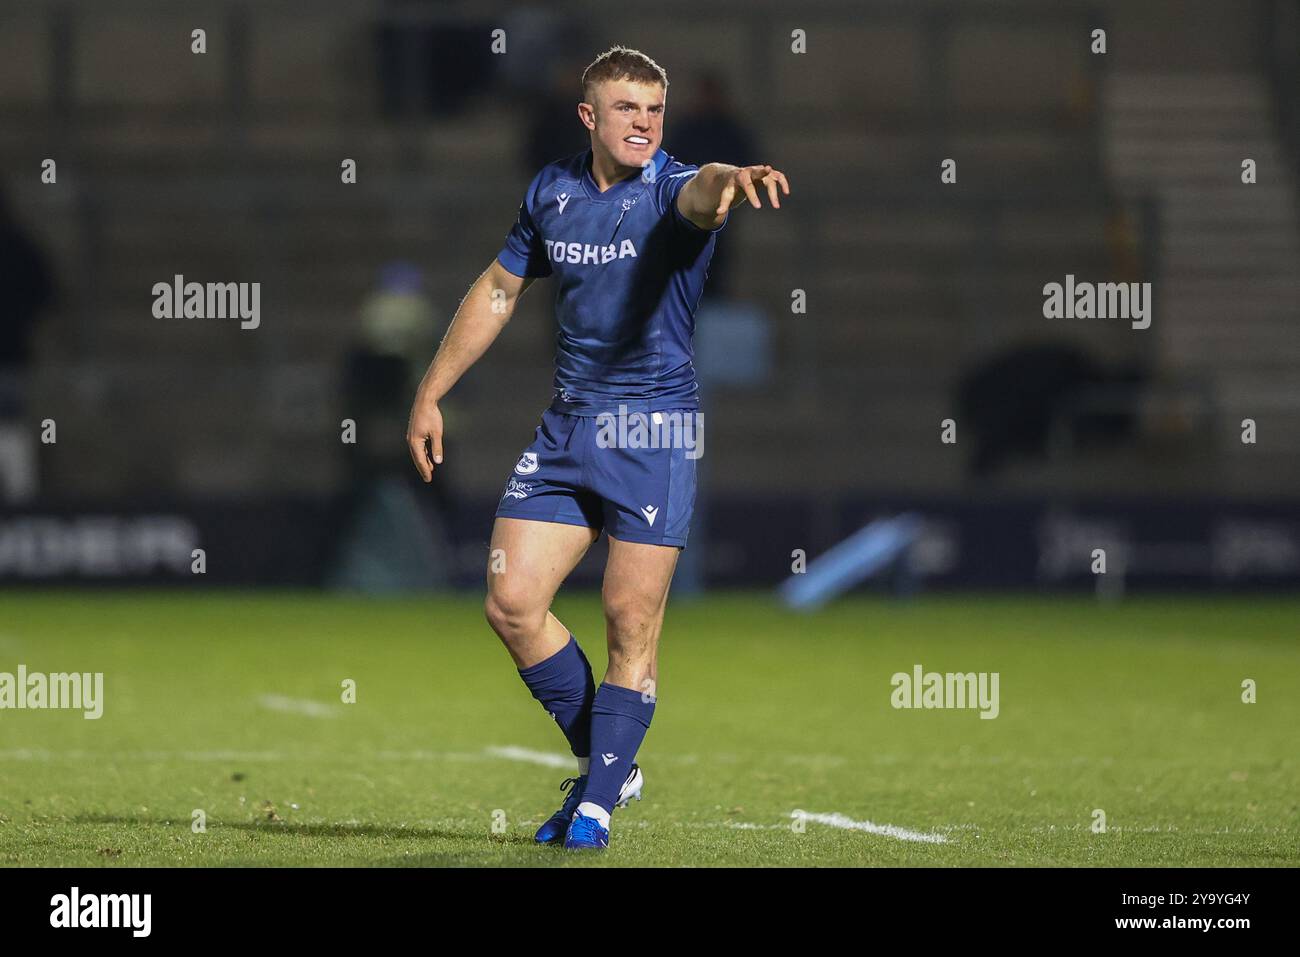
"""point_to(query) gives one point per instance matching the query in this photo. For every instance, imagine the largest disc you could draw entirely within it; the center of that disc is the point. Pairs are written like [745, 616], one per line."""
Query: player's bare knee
[511, 615]
[628, 622]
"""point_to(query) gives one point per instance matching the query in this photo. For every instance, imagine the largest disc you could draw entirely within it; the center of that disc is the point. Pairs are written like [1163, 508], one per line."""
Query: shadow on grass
[312, 830]
[509, 855]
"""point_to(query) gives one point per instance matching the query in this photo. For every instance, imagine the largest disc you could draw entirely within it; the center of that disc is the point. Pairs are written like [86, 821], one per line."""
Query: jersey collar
[658, 162]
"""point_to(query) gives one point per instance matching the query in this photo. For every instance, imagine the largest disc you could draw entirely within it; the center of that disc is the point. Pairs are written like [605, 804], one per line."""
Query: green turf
[1133, 708]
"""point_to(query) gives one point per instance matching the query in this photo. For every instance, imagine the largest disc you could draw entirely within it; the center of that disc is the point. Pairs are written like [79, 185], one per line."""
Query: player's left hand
[745, 183]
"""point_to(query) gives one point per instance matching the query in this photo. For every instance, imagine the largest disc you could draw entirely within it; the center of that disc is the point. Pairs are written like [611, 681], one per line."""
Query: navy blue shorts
[572, 474]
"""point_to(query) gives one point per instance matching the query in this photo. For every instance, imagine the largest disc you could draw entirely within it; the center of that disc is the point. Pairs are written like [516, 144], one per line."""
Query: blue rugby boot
[555, 826]
[553, 829]
[586, 834]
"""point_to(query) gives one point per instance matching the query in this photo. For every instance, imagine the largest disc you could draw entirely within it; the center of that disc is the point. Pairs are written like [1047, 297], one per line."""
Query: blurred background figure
[396, 537]
[428, 65]
[27, 287]
[1040, 400]
[541, 77]
[704, 127]
[396, 332]
[732, 337]
[554, 130]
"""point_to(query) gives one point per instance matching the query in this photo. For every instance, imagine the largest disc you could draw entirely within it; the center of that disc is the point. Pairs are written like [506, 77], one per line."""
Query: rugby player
[625, 232]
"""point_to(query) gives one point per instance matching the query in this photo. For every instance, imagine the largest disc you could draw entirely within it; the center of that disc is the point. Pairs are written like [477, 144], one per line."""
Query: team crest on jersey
[516, 489]
[527, 464]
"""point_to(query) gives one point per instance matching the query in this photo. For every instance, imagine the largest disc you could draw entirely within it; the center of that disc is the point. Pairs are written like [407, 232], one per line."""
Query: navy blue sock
[564, 686]
[619, 719]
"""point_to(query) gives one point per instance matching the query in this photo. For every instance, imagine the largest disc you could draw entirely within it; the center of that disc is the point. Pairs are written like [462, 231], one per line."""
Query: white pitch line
[546, 758]
[302, 706]
[884, 830]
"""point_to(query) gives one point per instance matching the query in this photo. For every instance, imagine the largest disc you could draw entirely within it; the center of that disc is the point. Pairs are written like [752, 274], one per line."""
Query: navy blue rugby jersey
[629, 270]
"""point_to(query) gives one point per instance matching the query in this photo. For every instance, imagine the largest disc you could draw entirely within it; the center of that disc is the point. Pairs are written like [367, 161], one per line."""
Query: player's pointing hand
[750, 179]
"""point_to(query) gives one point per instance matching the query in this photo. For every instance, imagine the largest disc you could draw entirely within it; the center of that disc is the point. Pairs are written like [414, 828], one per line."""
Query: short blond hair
[622, 63]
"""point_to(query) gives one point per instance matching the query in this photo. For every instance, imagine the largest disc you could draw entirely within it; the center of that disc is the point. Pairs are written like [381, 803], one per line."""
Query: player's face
[627, 120]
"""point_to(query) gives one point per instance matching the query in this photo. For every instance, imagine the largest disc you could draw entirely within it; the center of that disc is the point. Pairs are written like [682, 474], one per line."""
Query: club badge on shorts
[527, 464]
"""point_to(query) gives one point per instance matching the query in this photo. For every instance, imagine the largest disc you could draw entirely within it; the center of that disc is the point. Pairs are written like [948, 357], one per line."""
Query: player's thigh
[529, 560]
[635, 592]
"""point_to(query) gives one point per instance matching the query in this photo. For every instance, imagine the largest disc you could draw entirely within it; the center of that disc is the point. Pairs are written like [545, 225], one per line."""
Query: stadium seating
[226, 166]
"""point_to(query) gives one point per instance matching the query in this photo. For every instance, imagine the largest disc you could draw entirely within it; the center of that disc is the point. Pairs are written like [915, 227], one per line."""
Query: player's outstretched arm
[483, 313]
[712, 192]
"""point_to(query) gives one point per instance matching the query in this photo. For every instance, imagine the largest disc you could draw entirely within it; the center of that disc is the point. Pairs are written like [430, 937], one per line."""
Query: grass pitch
[230, 704]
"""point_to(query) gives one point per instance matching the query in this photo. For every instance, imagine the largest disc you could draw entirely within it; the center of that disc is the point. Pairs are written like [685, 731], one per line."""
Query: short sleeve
[670, 186]
[524, 253]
